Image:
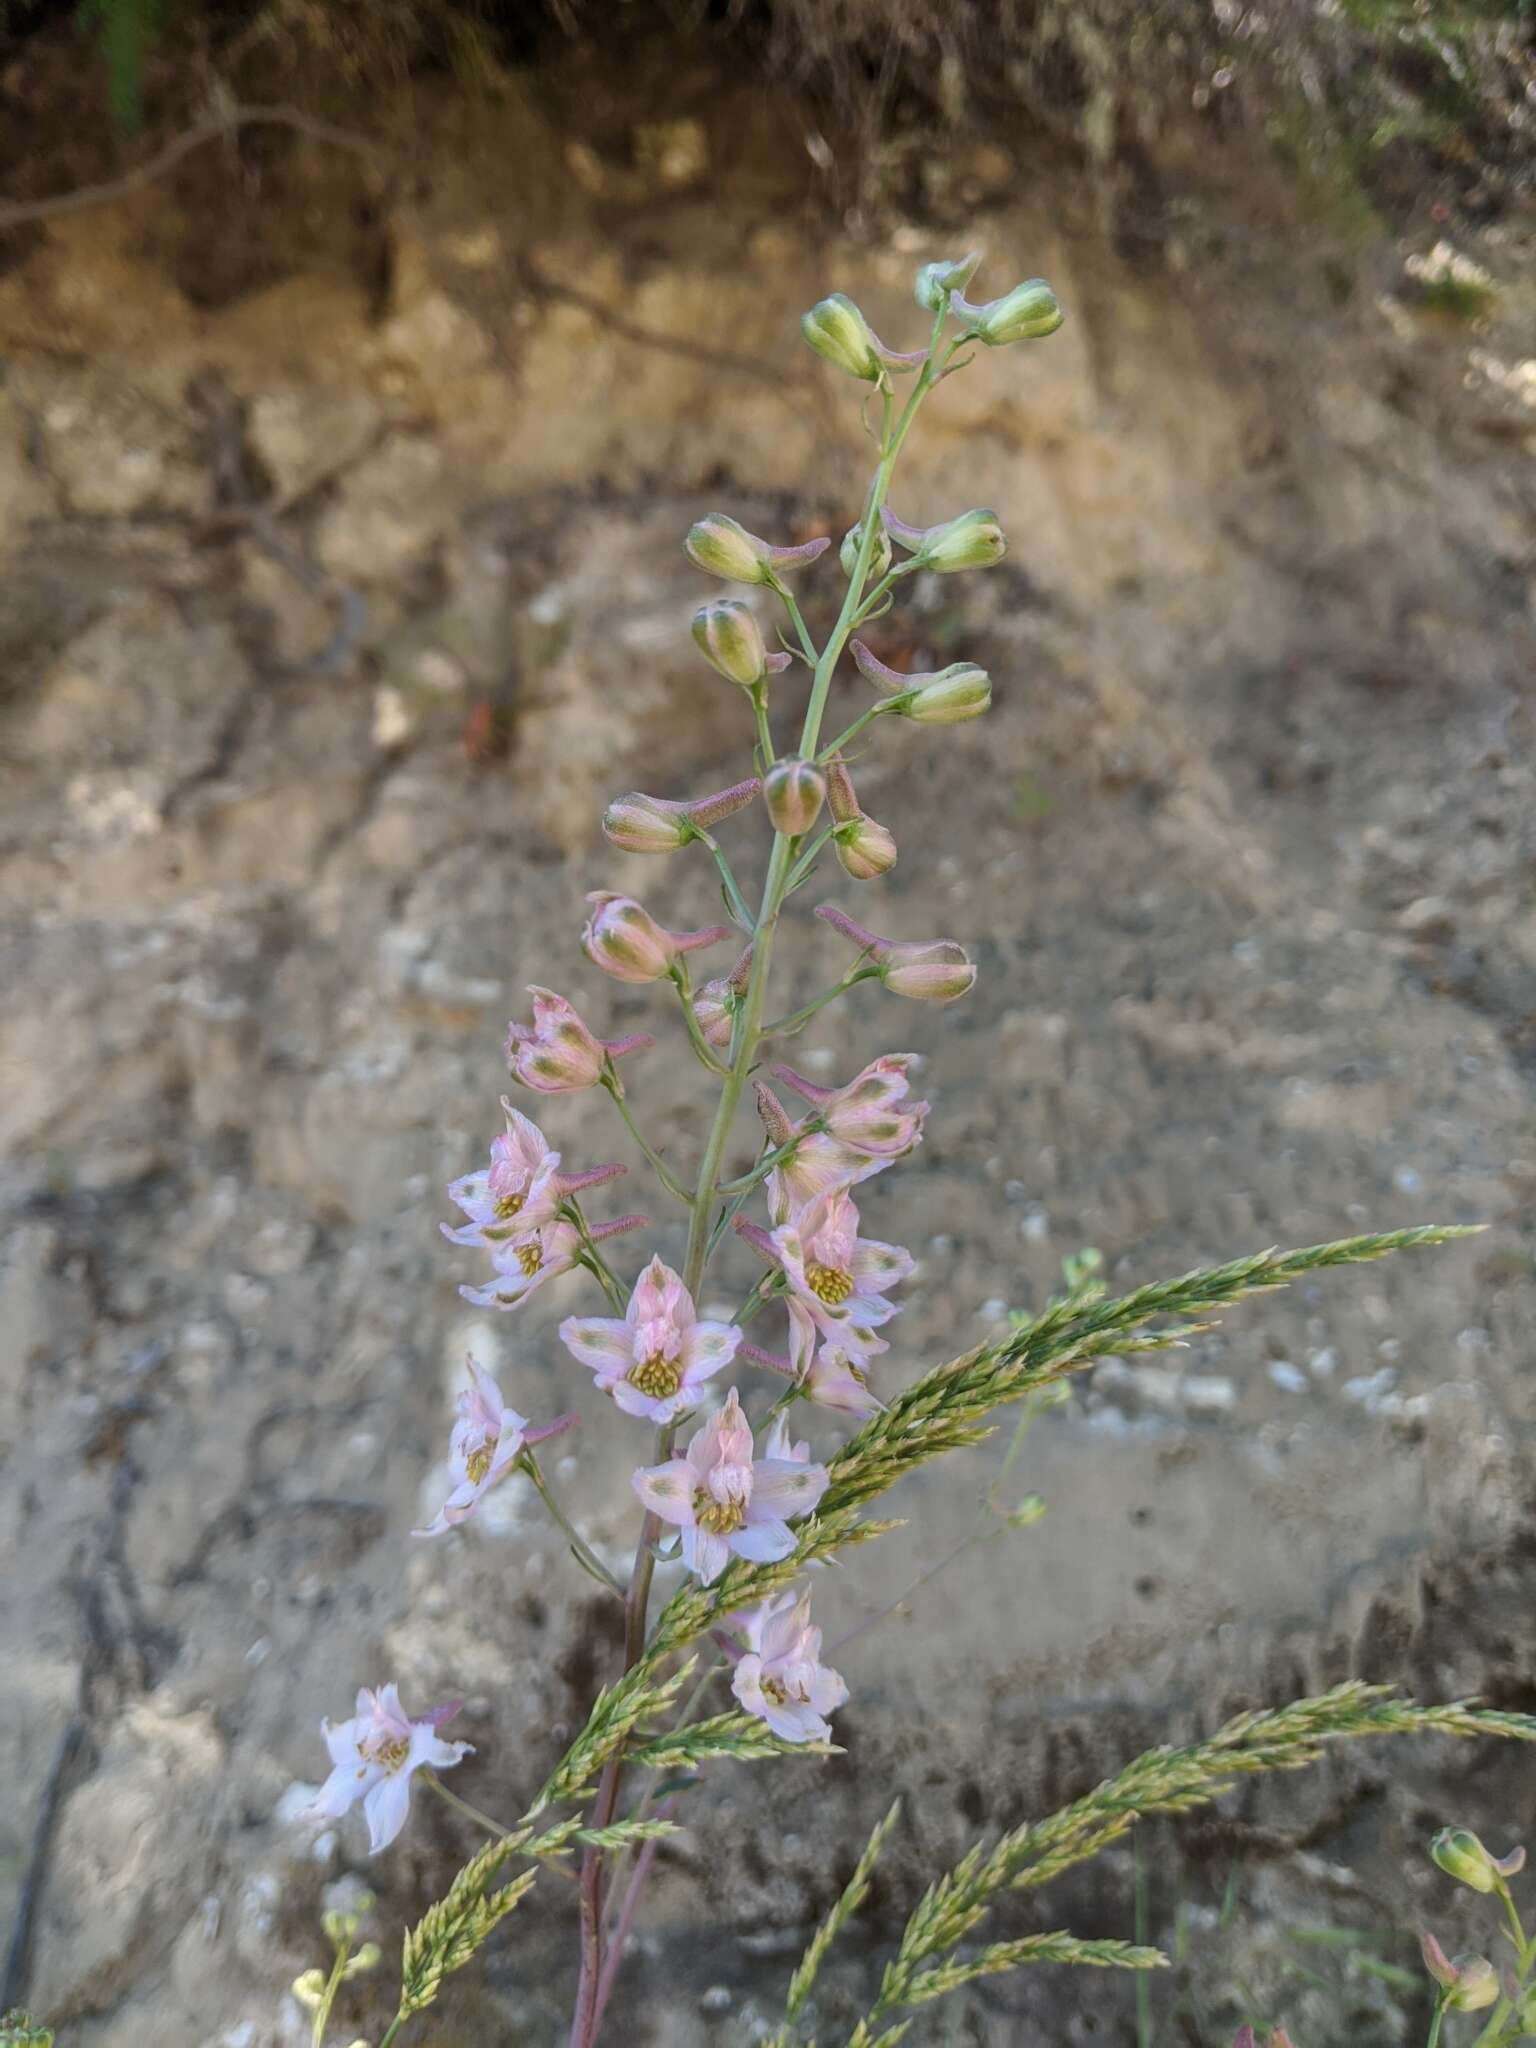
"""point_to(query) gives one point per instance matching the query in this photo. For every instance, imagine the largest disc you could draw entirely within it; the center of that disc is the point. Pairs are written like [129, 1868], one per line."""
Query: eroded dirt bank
[333, 610]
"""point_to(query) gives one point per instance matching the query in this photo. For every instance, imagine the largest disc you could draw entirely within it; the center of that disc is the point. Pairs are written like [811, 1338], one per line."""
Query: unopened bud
[309, 1989]
[943, 696]
[656, 824]
[956, 693]
[1030, 1510]
[366, 1959]
[777, 1121]
[714, 1010]
[1460, 1854]
[935, 281]
[722, 547]
[973, 540]
[842, 800]
[1028, 313]
[646, 824]
[865, 848]
[1477, 1984]
[938, 973]
[794, 791]
[836, 329]
[624, 939]
[880, 552]
[730, 639]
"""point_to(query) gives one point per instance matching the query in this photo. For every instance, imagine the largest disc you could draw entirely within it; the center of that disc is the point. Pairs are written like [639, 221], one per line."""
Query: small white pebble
[993, 1310]
[1208, 1394]
[1408, 1180]
[1324, 1363]
[716, 1999]
[1369, 1387]
[1290, 1379]
[1035, 1224]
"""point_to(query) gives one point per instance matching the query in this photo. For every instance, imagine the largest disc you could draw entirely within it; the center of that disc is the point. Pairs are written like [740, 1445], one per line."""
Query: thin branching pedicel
[734, 1496]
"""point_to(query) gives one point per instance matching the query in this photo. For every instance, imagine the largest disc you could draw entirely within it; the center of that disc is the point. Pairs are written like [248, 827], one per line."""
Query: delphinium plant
[724, 1484]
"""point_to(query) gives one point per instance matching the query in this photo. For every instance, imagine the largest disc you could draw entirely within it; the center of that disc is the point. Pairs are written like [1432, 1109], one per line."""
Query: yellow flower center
[391, 1753]
[658, 1378]
[530, 1257]
[718, 1518]
[773, 1690]
[507, 1207]
[829, 1285]
[477, 1464]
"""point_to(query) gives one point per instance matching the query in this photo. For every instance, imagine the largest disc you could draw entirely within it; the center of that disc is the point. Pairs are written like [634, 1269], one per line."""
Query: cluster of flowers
[730, 1493]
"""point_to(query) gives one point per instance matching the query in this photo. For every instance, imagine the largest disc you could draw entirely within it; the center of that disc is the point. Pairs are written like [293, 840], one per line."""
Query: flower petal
[705, 1554]
[763, 1542]
[783, 1487]
[602, 1342]
[385, 1808]
[667, 1490]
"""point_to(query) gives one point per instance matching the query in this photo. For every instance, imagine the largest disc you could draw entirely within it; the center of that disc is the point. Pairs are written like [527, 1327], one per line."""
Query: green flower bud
[973, 541]
[721, 546]
[865, 848]
[730, 639]
[935, 281]
[309, 1989]
[367, 1958]
[1460, 1854]
[1028, 313]
[794, 791]
[1477, 1984]
[879, 554]
[836, 329]
[956, 693]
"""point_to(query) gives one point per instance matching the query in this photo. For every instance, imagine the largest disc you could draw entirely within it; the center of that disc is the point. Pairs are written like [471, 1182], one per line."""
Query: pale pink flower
[824, 1374]
[654, 1360]
[780, 1676]
[373, 1756]
[817, 1163]
[624, 939]
[525, 1262]
[838, 1276]
[871, 1113]
[557, 1053]
[487, 1441]
[520, 1190]
[725, 1501]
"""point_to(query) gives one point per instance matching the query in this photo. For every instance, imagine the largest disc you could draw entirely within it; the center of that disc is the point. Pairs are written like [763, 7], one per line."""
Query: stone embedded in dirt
[1428, 918]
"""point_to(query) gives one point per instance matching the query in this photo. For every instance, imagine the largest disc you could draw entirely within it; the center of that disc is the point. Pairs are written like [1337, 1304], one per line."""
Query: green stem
[394, 2027]
[807, 644]
[584, 1551]
[704, 1052]
[759, 696]
[734, 902]
[879, 710]
[886, 584]
[1434, 2025]
[653, 1159]
[801, 871]
[761, 1171]
[783, 1027]
[328, 1998]
[482, 1820]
